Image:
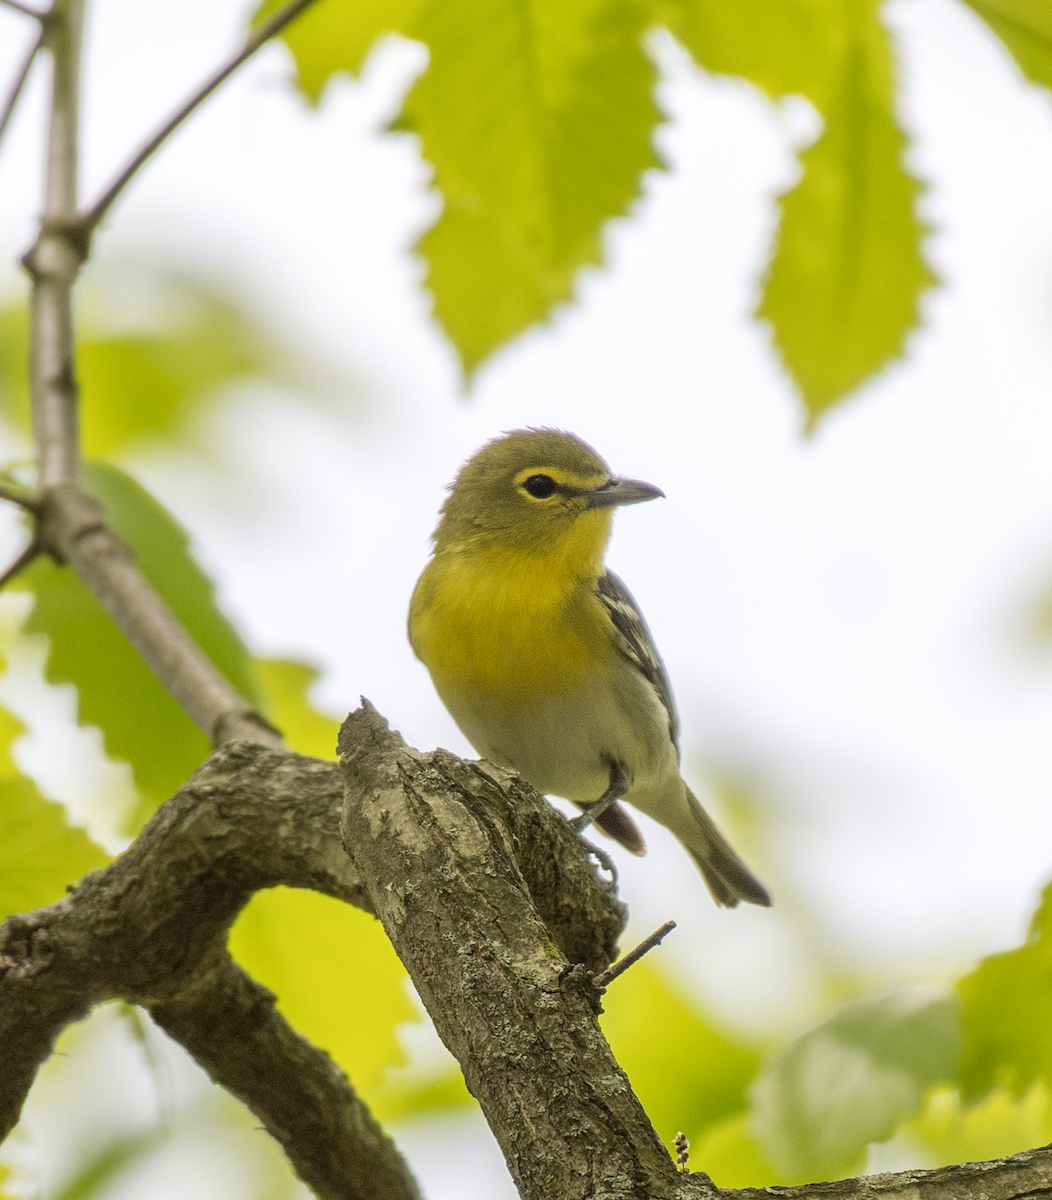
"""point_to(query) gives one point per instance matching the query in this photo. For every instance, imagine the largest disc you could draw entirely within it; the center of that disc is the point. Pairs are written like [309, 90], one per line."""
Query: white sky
[840, 615]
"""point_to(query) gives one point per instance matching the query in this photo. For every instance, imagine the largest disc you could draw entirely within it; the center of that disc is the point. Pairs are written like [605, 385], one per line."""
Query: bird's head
[535, 491]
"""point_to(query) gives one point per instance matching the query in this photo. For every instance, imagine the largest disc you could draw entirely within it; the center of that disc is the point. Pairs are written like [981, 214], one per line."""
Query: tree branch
[229, 1024]
[1024, 1176]
[91, 219]
[21, 76]
[54, 261]
[71, 526]
[73, 529]
[449, 853]
[491, 900]
[151, 929]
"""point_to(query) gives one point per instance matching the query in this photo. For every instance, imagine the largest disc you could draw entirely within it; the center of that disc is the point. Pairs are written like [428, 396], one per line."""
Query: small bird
[542, 657]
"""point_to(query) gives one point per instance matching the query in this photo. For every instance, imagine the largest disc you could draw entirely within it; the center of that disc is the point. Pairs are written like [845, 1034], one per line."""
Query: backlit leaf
[148, 381]
[140, 721]
[283, 686]
[731, 1155]
[851, 1080]
[336, 36]
[844, 285]
[40, 853]
[1025, 27]
[998, 1126]
[686, 1073]
[538, 119]
[1005, 1003]
[336, 976]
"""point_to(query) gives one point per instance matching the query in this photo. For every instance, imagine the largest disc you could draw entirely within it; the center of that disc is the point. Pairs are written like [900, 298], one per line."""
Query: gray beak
[618, 490]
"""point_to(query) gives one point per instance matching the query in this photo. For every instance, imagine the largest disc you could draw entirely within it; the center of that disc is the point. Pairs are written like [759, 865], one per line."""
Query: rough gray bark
[151, 929]
[496, 909]
[1025, 1176]
[448, 852]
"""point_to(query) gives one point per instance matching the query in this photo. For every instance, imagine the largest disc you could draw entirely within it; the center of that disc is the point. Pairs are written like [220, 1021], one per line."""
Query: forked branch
[70, 526]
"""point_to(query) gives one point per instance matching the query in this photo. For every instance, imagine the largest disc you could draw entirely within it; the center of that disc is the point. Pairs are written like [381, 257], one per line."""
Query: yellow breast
[509, 629]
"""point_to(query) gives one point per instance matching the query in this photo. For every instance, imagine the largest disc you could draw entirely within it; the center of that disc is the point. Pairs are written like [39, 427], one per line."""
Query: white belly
[566, 747]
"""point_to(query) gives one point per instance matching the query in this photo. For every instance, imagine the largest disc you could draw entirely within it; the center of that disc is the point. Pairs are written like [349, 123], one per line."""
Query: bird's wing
[634, 641]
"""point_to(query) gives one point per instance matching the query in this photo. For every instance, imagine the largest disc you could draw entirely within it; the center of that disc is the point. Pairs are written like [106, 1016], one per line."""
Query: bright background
[845, 616]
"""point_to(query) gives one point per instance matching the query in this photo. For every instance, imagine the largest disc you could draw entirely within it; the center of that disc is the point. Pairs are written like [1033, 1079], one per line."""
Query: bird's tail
[726, 876]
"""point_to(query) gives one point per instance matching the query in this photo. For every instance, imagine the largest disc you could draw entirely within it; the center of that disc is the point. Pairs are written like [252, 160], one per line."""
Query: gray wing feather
[634, 641]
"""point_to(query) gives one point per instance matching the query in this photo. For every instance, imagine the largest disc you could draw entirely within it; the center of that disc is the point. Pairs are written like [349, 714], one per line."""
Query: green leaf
[685, 1072]
[851, 1080]
[952, 1132]
[14, 354]
[283, 685]
[146, 382]
[336, 36]
[785, 47]
[336, 976]
[106, 1165]
[140, 721]
[1005, 1005]
[731, 1155]
[844, 285]
[40, 853]
[1025, 27]
[538, 119]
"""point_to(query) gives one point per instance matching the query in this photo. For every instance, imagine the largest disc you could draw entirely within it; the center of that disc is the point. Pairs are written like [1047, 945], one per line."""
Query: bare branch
[54, 261]
[21, 76]
[604, 978]
[73, 529]
[229, 1024]
[151, 929]
[25, 9]
[91, 219]
[22, 499]
[1019, 1177]
[71, 526]
[442, 849]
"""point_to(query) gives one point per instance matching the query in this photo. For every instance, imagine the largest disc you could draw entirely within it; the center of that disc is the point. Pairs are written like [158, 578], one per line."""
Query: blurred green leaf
[140, 721]
[998, 1126]
[1005, 1006]
[146, 382]
[40, 852]
[1025, 27]
[336, 976]
[685, 1072]
[337, 35]
[851, 1080]
[538, 119]
[731, 1155]
[844, 285]
[785, 47]
[283, 685]
[102, 1168]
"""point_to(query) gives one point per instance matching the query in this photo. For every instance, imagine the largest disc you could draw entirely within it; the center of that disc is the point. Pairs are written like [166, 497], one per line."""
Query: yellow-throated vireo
[541, 655]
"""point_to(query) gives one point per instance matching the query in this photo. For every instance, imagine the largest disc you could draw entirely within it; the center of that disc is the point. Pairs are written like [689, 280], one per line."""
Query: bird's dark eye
[540, 487]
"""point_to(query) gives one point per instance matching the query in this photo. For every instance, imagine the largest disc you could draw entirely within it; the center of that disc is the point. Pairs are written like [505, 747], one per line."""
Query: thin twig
[633, 956]
[20, 82]
[18, 6]
[30, 554]
[22, 499]
[94, 215]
